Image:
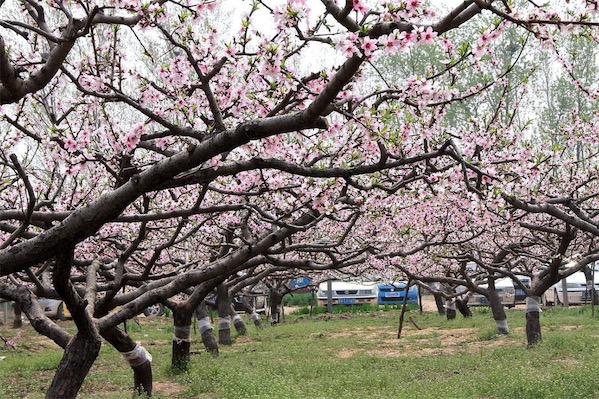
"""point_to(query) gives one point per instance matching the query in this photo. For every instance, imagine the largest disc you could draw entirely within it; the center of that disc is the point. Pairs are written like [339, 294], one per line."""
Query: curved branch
[30, 206]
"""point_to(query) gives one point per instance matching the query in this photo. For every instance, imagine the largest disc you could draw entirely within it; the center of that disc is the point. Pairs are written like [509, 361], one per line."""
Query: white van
[576, 285]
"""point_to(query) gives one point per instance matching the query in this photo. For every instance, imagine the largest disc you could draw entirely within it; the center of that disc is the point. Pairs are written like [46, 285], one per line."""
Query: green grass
[361, 308]
[298, 299]
[349, 355]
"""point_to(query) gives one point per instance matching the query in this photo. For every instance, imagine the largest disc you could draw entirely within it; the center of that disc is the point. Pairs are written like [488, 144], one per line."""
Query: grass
[343, 356]
[299, 299]
[361, 308]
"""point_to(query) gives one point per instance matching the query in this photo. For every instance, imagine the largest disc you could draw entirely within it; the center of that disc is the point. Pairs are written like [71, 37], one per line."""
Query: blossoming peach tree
[550, 159]
[154, 148]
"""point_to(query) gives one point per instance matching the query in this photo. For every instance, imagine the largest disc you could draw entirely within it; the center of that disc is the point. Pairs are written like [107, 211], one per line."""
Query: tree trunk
[276, 303]
[591, 291]
[223, 303]
[79, 355]
[181, 338]
[206, 330]
[238, 322]
[183, 316]
[82, 350]
[533, 323]
[450, 310]
[498, 311]
[440, 304]
[138, 359]
[256, 319]
[18, 322]
[462, 305]
[403, 309]
[436, 290]
[250, 310]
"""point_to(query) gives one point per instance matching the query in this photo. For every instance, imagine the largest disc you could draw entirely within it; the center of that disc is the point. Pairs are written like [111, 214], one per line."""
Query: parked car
[154, 310]
[348, 293]
[393, 293]
[576, 285]
[520, 294]
[505, 289]
[300, 284]
[257, 300]
[56, 309]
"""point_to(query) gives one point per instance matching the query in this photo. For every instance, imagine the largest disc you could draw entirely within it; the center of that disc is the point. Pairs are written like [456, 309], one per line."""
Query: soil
[426, 342]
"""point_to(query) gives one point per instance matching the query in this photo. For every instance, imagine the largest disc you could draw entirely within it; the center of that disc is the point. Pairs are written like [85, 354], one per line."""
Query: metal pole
[329, 296]
[593, 293]
[419, 299]
[565, 300]
[312, 301]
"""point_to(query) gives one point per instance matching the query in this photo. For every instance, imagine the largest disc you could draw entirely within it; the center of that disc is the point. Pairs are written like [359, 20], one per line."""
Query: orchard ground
[344, 355]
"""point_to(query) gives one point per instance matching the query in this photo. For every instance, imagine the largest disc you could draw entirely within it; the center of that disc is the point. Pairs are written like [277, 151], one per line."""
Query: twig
[10, 342]
[414, 323]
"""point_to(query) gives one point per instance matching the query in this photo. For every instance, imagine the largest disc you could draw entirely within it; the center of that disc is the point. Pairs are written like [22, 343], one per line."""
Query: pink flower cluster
[132, 138]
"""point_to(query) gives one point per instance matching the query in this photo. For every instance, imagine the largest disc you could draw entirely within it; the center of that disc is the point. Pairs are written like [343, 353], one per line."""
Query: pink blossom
[447, 44]
[390, 42]
[349, 48]
[133, 137]
[427, 36]
[412, 4]
[368, 46]
[72, 170]
[485, 38]
[131, 141]
[360, 7]
[407, 38]
[70, 145]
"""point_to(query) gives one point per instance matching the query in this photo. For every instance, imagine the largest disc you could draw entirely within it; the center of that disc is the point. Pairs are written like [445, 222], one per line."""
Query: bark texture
[223, 303]
[79, 355]
[182, 338]
[276, 304]
[451, 314]
[450, 311]
[533, 322]
[18, 322]
[498, 311]
[238, 322]
[533, 328]
[208, 338]
[81, 351]
[462, 306]
[440, 305]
